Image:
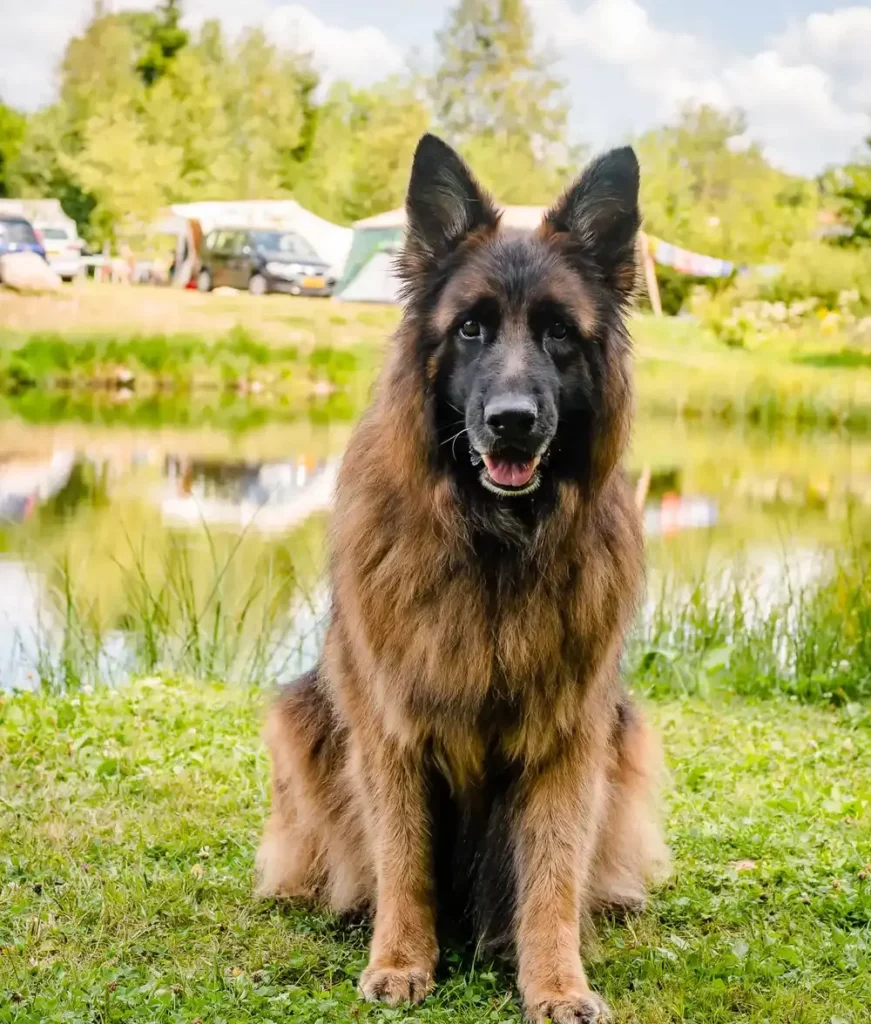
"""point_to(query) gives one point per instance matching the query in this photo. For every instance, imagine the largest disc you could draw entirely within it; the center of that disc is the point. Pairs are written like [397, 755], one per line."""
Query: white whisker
[452, 441]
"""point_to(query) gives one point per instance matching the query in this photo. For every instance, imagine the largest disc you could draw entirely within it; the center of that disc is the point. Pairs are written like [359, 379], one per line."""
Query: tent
[369, 274]
[40, 211]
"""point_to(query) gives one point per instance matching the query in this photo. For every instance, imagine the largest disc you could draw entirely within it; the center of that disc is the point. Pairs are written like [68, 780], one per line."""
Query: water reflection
[674, 513]
[207, 548]
[26, 484]
[269, 496]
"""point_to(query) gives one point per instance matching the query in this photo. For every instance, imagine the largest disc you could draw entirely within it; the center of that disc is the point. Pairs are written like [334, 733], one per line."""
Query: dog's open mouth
[510, 474]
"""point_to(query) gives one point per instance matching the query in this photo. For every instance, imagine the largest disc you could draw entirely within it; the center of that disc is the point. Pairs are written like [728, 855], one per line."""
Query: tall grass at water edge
[179, 363]
[807, 637]
[208, 606]
[259, 620]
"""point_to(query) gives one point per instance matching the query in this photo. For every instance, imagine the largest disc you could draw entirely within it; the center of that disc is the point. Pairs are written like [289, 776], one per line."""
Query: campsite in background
[201, 205]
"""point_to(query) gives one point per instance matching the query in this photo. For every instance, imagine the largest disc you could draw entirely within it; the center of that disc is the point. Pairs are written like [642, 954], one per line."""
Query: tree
[703, 187]
[147, 116]
[12, 130]
[39, 171]
[494, 96]
[361, 153]
[164, 39]
[99, 67]
[129, 178]
[850, 188]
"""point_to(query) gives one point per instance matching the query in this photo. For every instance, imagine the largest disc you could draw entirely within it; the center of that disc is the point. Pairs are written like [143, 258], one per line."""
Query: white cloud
[803, 101]
[793, 109]
[807, 91]
[840, 38]
[615, 30]
[34, 36]
[32, 43]
[361, 54]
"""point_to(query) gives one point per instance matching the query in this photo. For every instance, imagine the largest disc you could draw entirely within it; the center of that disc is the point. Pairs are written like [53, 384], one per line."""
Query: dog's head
[520, 336]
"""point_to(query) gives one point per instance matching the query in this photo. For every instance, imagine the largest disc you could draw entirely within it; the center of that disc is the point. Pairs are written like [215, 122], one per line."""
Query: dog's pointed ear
[600, 211]
[443, 206]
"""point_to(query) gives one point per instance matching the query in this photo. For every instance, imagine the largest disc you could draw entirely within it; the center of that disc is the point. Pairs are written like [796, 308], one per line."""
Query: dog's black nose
[512, 417]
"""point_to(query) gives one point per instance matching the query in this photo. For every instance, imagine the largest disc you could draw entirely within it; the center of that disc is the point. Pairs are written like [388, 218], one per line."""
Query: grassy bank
[172, 363]
[809, 379]
[128, 823]
[150, 342]
[245, 606]
[737, 632]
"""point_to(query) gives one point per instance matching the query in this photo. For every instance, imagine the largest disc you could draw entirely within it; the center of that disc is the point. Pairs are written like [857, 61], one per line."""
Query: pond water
[200, 549]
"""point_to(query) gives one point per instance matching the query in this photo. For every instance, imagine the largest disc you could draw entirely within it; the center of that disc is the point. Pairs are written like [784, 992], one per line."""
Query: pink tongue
[509, 474]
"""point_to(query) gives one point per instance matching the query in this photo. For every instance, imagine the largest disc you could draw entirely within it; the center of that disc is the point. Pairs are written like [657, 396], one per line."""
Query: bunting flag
[686, 262]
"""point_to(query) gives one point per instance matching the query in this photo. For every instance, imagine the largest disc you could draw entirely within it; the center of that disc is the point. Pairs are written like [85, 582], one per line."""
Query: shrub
[824, 272]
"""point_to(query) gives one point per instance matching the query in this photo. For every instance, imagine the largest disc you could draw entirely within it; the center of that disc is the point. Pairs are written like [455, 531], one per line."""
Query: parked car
[63, 248]
[17, 235]
[262, 261]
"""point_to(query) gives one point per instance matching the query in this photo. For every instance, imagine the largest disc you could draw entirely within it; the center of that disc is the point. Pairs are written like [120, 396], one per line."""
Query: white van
[63, 247]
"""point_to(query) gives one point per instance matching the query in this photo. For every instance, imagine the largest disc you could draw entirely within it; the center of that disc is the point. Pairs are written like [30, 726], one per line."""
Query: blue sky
[800, 68]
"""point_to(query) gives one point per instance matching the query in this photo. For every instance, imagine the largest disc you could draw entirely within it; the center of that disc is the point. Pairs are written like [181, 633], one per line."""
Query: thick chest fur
[441, 650]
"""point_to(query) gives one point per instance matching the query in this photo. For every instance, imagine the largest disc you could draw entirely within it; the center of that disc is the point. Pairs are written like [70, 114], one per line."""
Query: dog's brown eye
[471, 330]
[558, 331]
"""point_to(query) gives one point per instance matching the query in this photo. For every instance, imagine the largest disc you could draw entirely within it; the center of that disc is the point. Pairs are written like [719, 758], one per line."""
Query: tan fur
[421, 663]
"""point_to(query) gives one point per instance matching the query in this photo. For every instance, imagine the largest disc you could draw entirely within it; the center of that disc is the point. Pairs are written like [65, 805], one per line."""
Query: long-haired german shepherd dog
[465, 751]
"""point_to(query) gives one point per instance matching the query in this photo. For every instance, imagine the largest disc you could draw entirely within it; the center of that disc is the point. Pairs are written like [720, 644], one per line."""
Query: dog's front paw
[395, 985]
[585, 1008]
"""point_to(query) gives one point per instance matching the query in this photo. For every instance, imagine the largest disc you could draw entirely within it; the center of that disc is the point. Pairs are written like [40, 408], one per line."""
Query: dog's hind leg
[314, 845]
[630, 852]
[289, 861]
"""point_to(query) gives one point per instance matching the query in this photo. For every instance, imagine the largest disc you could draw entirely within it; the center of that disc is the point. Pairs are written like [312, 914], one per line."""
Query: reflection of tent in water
[25, 484]
[369, 274]
[189, 222]
[673, 513]
[267, 495]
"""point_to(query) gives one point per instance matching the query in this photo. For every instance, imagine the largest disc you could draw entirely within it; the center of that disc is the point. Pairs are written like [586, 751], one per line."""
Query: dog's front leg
[403, 954]
[559, 810]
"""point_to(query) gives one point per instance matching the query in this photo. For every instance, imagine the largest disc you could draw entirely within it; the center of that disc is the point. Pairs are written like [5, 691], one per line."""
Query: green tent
[369, 274]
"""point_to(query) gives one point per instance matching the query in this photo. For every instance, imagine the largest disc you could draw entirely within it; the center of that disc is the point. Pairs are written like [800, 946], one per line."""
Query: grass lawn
[128, 823]
[88, 310]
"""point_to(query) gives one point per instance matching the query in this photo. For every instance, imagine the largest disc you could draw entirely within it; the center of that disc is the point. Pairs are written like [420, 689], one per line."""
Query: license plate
[313, 282]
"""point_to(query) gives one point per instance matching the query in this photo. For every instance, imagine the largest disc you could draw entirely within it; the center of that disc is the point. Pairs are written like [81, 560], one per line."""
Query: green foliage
[360, 156]
[149, 113]
[820, 291]
[495, 96]
[165, 38]
[814, 643]
[686, 369]
[146, 117]
[823, 271]
[128, 178]
[42, 167]
[850, 188]
[703, 189]
[490, 80]
[180, 362]
[12, 130]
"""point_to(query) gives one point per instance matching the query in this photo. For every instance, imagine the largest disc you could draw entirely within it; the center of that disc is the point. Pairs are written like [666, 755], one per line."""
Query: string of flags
[686, 262]
[698, 265]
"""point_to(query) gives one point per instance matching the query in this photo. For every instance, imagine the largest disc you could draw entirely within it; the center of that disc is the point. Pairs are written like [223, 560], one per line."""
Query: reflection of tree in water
[87, 484]
[253, 482]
